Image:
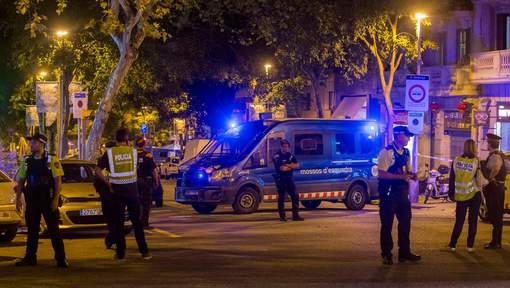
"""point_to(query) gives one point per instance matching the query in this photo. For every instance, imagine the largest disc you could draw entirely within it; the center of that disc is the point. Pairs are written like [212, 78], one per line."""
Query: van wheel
[484, 215]
[9, 233]
[202, 208]
[356, 198]
[247, 201]
[311, 204]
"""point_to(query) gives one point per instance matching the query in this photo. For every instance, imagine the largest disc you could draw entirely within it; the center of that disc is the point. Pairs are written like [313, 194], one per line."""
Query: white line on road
[166, 233]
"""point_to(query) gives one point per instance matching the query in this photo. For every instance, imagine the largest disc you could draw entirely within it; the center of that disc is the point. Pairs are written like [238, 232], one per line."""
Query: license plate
[191, 193]
[91, 212]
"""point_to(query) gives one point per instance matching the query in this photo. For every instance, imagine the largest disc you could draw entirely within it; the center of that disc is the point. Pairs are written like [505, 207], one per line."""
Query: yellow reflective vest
[465, 178]
[122, 161]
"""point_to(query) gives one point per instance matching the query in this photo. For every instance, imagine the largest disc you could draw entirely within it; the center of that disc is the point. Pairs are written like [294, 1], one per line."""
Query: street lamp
[43, 74]
[61, 33]
[267, 66]
[419, 17]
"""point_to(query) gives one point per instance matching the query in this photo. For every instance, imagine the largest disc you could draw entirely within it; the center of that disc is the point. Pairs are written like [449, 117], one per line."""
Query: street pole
[61, 117]
[419, 16]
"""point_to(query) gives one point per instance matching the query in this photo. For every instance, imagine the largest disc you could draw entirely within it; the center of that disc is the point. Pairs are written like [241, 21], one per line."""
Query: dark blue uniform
[394, 200]
[39, 194]
[145, 168]
[285, 184]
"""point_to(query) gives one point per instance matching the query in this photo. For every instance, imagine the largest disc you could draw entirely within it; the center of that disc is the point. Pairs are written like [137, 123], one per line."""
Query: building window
[308, 144]
[503, 31]
[442, 56]
[463, 46]
[345, 143]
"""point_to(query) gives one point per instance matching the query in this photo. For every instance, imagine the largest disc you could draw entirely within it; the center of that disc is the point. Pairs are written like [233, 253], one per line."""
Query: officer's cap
[493, 137]
[284, 141]
[39, 137]
[402, 130]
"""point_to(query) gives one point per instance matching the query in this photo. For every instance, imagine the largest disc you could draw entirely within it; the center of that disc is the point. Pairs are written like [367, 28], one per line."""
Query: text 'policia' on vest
[122, 161]
[465, 170]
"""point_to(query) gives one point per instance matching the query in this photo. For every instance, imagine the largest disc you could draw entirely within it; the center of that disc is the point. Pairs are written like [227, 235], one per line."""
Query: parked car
[10, 219]
[338, 163]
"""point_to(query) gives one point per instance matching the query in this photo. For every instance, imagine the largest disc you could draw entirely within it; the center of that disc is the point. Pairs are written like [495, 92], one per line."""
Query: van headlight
[220, 174]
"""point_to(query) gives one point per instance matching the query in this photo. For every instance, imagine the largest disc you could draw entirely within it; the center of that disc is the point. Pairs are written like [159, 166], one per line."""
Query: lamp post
[267, 67]
[62, 105]
[419, 17]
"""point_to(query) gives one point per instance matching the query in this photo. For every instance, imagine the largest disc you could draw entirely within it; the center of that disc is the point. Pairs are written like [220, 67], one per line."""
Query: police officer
[107, 203]
[394, 166]
[120, 161]
[464, 189]
[285, 163]
[147, 179]
[494, 192]
[42, 174]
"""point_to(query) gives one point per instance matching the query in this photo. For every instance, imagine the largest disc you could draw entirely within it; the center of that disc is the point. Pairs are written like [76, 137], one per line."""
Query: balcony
[491, 67]
[452, 80]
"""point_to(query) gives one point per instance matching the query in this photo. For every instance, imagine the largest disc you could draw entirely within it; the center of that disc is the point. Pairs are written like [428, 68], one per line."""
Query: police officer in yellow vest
[42, 175]
[465, 190]
[121, 161]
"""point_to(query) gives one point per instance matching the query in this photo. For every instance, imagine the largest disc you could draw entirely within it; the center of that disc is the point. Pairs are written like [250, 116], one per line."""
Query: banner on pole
[417, 93]
[31, 117]
[51, 117]
[46, 96]
[80, 103]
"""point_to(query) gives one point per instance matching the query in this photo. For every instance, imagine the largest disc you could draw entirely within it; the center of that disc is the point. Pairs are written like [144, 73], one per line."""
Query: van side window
[258, 158]
[273, 143]
[367, 143]
[308, 144]
[345, 143]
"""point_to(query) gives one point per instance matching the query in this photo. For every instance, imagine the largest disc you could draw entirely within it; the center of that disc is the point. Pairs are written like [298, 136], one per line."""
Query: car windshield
[77, 173]
[234, 143]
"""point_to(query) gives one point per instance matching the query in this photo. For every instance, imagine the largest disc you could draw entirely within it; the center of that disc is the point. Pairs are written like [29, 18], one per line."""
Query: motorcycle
[437, 185]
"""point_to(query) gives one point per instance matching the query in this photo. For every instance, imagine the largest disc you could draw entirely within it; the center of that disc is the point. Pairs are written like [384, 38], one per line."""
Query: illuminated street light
[267, 66]
[43, 74]
[61, 33]
[419, 17]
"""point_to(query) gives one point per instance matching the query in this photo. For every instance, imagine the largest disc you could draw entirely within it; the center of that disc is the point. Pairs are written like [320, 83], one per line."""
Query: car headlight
[220, 174]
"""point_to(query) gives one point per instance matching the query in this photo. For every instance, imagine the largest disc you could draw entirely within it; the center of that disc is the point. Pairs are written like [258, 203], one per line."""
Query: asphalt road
[333, 247]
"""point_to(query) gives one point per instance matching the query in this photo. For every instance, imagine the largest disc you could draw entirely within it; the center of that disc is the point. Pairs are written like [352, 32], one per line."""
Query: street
[333, 247]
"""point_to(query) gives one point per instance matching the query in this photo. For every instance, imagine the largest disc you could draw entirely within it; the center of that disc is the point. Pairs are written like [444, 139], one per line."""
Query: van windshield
[232, 145]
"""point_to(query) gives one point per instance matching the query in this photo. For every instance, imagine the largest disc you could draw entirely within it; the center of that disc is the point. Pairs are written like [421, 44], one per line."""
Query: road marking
[166, 233]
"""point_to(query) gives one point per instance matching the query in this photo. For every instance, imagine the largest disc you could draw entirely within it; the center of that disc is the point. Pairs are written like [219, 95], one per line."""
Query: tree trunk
[390, 113]
[68, 77]
[126, 60]
[318, 100]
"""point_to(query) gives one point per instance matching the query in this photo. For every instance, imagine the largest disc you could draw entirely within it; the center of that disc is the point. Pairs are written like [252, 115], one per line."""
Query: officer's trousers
[461, 210]
[133, 206]
[286, 185]
[108, 208]
[38, 202]
[495, 197]
[145, 190]
[395, 204]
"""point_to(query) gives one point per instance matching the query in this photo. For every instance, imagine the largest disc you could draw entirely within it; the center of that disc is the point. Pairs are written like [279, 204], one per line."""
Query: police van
[337, 158]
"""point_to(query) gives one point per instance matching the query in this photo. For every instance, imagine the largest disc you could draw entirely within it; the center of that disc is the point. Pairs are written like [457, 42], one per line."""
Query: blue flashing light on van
[338, 163]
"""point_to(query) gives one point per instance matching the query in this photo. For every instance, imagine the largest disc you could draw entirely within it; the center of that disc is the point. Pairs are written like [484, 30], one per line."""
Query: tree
[128, 23]
[310, 38]
[387, 31]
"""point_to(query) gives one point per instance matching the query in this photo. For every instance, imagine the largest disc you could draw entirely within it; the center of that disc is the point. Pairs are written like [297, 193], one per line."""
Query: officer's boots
[26, 261]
